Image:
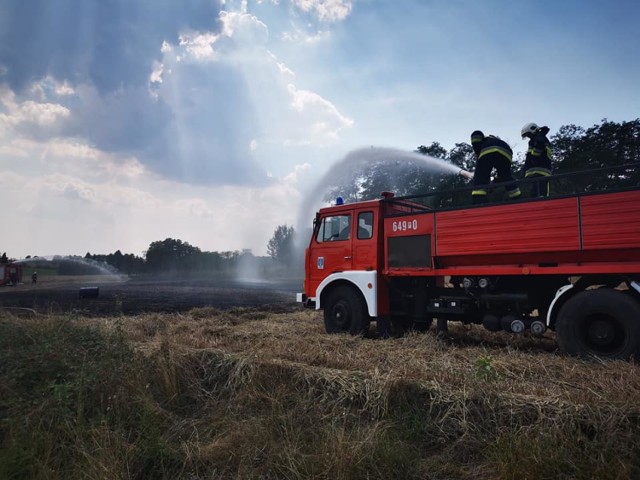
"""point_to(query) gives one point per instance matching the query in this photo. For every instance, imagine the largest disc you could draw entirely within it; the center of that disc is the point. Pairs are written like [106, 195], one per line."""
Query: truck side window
[365, 225]
[334, 228]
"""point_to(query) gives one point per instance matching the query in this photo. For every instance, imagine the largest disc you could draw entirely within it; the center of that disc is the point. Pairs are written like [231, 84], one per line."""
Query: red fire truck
[10, 274]
[570, 264]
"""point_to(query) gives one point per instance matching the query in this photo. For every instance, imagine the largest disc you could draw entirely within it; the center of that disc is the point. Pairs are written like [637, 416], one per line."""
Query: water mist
[355, 162]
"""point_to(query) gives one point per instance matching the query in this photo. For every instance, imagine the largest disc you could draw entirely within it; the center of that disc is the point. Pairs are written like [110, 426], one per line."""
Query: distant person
[537, 163]
[34, 277]
[491, 153]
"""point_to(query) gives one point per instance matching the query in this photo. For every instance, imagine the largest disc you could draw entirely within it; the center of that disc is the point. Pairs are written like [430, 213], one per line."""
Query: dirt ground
[130, 296]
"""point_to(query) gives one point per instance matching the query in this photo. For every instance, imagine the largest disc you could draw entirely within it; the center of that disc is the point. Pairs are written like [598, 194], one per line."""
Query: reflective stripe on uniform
[514, 193]
[480, 191]
[535, 152]
[545, 172]
[500, 150]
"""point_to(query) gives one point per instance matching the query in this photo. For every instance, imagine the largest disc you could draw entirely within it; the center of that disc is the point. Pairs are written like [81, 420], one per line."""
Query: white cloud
[102, 195]
[69, 155]
[244, 28]
[199, 46]
[156, 73]
[286, 71]
[49, 87]
[297, 36]
[326, 10]
[299, 170]
[11, 180]
[13, 146]
[64, 89]
[286, 114]
[195, 207]
[324, 120]
[69, 148]
[41, 114]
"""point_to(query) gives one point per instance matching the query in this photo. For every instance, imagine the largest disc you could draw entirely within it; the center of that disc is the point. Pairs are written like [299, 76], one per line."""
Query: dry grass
[248, 393]
[524, 368]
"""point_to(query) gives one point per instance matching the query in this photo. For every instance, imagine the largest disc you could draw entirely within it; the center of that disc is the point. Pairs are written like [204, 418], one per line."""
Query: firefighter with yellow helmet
[491, 153]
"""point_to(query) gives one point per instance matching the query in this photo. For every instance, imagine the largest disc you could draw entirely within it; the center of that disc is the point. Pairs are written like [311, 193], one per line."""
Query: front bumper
[306, 301]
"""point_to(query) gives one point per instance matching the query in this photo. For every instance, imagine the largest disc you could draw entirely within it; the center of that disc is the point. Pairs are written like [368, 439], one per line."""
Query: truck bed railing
[585, 182]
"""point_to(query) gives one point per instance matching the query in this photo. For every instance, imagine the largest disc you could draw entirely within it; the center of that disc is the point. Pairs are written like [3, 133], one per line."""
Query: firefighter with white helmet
[529, 129]
[537, 163]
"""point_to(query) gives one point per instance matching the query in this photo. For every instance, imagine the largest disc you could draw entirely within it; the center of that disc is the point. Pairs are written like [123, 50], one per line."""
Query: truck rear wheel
[346, 311]
[601, 322]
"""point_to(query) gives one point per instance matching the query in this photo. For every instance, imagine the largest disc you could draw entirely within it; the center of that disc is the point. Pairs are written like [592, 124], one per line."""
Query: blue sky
[123, 122]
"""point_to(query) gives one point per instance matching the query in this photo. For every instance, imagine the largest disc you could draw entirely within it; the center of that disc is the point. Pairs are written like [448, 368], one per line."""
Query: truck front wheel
[601, 322]
[345, 311]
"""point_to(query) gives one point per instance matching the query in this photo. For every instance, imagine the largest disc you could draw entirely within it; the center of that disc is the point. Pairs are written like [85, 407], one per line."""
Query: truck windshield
[334, 228]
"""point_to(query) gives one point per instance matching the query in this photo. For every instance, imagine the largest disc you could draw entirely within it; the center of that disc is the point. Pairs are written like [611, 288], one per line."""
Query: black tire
[346, 311]
[600, 322]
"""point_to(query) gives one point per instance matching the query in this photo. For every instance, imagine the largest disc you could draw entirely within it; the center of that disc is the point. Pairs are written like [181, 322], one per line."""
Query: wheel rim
[603, 334]
[341, 315]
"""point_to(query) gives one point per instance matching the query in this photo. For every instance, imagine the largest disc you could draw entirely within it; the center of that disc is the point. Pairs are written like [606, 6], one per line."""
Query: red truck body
[402, 264]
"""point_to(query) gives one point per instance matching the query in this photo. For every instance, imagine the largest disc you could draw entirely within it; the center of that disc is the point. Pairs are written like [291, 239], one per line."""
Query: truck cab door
[365, 250]
[332, 247]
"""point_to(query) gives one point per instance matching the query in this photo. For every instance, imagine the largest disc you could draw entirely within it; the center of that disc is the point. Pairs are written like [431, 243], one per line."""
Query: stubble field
[258, 390]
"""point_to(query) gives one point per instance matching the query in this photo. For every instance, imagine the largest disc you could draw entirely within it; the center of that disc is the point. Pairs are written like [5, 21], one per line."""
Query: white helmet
[529, 128]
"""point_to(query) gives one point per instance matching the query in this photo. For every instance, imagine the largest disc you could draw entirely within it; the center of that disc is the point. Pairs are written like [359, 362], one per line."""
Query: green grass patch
[67, 392]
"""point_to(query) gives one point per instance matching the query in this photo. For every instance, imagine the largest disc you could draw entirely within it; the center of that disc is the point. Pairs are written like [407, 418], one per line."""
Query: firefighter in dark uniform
[537, 164]
[491, 152]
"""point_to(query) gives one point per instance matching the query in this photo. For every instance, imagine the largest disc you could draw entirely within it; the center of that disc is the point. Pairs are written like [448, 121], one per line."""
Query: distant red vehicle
[570, 264]
[10, 274]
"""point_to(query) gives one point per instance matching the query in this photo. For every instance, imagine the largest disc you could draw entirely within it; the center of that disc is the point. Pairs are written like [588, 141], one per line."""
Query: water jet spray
[358, 160]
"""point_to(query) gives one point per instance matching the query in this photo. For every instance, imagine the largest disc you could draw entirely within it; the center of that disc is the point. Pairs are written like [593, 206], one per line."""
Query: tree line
[173, 256]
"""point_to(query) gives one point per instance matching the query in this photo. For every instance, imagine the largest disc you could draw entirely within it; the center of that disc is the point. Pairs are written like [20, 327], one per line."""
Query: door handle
[347, 258]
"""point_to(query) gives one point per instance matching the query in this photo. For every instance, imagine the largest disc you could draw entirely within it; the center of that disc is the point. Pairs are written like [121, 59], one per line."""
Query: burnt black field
[142, 295]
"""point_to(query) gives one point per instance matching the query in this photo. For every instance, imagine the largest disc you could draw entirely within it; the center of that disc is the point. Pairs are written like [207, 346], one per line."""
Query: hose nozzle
[465, 174]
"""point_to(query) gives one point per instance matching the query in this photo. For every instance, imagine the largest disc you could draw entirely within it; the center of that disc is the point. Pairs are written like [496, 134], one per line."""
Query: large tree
[281, 245]
[609, 144]
[172, 255]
